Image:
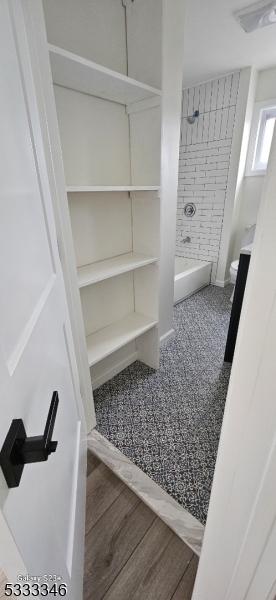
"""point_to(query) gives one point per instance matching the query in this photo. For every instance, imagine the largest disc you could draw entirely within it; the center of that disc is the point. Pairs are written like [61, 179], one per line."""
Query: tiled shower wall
[204, 158]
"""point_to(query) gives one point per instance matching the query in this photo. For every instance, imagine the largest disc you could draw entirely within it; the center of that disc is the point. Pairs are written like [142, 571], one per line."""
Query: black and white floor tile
[168, 421]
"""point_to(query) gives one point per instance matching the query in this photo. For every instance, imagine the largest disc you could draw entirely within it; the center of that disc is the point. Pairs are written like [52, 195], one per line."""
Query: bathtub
[189, 276]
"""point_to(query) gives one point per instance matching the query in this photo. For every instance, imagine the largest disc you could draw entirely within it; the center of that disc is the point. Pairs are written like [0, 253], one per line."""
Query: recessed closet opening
[151, 175]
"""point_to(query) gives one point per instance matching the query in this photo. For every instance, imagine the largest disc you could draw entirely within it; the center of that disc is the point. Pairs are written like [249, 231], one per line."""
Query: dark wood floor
[129, 552]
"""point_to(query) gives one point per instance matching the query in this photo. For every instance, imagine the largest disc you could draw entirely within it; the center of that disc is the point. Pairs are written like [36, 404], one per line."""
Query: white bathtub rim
[191, 270]
[191, 280]
[191, 293]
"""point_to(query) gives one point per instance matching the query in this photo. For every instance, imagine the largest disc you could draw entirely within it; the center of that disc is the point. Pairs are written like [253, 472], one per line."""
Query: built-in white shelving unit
[104, 269]
[110, 130]
[113, 337]
[77, 73]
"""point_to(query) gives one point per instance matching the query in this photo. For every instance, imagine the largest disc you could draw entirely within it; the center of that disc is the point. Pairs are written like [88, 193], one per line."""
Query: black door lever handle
[19, 450]
[38, 448]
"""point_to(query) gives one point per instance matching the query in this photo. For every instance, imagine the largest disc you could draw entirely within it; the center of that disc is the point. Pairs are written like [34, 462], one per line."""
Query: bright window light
[267, 139]
[262, 138]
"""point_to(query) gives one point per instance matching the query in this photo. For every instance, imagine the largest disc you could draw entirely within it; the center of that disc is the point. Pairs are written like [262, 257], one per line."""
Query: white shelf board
[111, 267]
[112, 188]
[106, 341]
[78, 73]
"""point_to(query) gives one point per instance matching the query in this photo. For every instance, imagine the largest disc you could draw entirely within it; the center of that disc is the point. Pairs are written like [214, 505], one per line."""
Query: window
[260, 138]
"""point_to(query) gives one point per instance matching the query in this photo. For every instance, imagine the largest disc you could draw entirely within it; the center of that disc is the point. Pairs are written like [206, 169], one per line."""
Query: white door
[41, 520]
[238, 560]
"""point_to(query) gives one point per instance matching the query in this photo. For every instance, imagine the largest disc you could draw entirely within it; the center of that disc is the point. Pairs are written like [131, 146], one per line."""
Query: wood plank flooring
[129, 552]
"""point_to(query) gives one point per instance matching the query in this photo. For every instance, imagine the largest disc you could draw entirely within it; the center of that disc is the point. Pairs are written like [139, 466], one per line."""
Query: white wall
[144, 40]
[266, 87]
[204, 160]
[173, 32]
[252, 186]
[95, 139]
[145, 133]
[244, 113]
[92, 28]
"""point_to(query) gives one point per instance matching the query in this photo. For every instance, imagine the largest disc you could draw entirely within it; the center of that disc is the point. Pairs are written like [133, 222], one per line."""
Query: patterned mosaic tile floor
[168, 421]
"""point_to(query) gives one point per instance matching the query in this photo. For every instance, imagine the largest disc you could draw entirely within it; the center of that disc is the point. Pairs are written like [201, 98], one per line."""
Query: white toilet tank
[248, 235]
[247, 238]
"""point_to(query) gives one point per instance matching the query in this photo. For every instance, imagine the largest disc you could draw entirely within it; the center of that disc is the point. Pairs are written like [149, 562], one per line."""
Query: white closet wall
[144, 40]
[100, 233]
[145, 136]
[95, 139]
[94, 29]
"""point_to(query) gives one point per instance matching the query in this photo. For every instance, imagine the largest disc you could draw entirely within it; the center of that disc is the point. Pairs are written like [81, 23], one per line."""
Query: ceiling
[216, 44]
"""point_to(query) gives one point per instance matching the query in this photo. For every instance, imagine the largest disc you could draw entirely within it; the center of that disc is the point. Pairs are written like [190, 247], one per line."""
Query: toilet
[233, 271]
[247, 238]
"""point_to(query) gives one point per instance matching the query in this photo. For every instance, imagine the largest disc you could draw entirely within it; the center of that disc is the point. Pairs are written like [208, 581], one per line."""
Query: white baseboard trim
[187, 527]
[123, 364]
[220, 283]
[108, 374]
[166, 337]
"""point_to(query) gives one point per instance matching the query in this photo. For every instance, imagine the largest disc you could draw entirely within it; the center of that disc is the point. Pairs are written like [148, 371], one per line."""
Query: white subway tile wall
[204, 158]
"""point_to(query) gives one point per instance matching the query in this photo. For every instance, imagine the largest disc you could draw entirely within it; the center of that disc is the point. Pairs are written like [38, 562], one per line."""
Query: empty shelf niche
[118, 310]
[113, 337]
[113, 233]
[104, 269]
